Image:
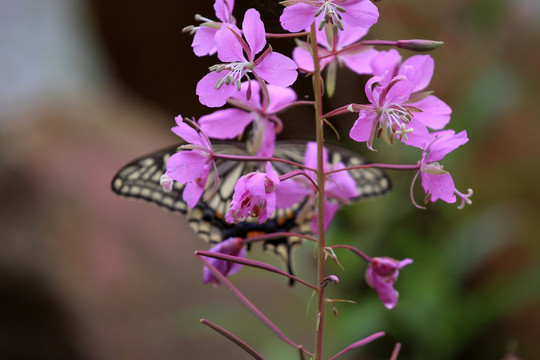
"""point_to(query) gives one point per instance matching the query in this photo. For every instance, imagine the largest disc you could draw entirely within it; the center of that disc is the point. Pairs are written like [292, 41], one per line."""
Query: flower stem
[321, 271]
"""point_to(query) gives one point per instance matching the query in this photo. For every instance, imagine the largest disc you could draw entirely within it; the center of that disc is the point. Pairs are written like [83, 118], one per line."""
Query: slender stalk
[321, 271]
[235, 339]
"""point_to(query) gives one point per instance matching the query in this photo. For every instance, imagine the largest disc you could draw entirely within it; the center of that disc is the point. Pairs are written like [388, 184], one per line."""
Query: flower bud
[419, 44]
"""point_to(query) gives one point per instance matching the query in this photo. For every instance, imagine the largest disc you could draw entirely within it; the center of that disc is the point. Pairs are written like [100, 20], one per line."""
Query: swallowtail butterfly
[140, 179]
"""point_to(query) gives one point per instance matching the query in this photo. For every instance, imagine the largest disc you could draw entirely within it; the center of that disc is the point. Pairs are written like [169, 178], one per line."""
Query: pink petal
[435, 112]
[360, 13]
[255, 99]
[419, 136]
[254, 31]
[192, 193]
[203, 41]
[223, 9]
[271, 173]
[208, 95]
[270, 207]
[235, 267]
[440, 186]
[359, 62]
[347, 36]
[448, 142]
[342, 186]
[277, 69]
[330, 210]
[290, 192]
[187, 166]
[419, 70]
[186, 132]
[297, 17]
[310, 157]
[385, 64]
[280, 98]
[229, 48]
[268, 143]
[225, 124]
[399, 92]
[361, 130]
[303, 58]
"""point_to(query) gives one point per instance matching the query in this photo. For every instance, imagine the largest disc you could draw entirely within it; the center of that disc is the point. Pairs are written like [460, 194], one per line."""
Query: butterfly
[140, 179]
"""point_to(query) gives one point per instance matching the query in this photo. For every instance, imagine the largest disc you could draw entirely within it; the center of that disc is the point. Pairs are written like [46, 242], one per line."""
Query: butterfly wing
[140, 179]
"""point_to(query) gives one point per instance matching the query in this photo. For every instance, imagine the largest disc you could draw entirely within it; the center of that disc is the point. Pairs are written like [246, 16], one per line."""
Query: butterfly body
[141, 179]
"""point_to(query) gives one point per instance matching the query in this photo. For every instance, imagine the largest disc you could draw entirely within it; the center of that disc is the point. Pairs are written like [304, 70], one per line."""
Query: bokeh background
[86, 86]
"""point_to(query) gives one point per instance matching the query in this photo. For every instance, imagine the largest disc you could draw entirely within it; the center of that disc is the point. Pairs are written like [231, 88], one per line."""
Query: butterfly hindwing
[140, 179]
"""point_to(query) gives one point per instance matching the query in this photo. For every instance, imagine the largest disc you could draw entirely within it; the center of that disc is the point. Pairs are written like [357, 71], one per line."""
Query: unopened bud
[419, 44]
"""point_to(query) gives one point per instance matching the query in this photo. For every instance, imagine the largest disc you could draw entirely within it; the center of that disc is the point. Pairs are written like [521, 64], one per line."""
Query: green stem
[321, 271]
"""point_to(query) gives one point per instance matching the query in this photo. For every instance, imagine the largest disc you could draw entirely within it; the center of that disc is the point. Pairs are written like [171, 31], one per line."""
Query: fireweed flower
[340, 14]
[389, 114]
[190, 166]
[438, 183]
[231, 246]
[203, 40]
[229, 123]
[418, 69]
[254, 195]
[339, 188]
[358, 59]
[238, 56]
[381, 275]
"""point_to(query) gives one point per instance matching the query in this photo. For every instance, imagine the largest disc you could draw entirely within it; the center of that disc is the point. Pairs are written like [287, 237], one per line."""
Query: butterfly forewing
[140, 179]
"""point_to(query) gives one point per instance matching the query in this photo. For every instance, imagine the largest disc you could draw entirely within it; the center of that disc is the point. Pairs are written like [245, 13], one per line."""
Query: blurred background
[88, 85]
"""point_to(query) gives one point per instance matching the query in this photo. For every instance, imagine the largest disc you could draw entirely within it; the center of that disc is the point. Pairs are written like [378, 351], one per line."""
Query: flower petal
[187, 166]
[254, 32]
[203, 41]
[384, 64]
[440, 186]
[330, 210]
[268, 143]
[277, 69]
[419, 136]
[435, 112]
[297, 17]
[419, 70]
[224, 9]
[209, 95]
[303, 58]
[225, 124]
[342, 186]
[290, 192]
[280, 97]
[363, 126]
[229, 48]
[360, 13]
[187, 133]
[359, 62]
[448, 142]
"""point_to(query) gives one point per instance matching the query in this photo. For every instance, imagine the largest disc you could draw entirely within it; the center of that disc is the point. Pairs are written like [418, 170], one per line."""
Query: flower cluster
[254, 82]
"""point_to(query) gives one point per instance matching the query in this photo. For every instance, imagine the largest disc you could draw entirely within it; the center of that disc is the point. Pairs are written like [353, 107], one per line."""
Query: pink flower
[229, 123]
[339, 188]
[381, 274]
[239, 60]
[418, 69]
[204, 39]
[189, 167]
[358, 59]
[389, 114]
[231, 246]
[438, 183]
[300, 14]
[254, 195]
